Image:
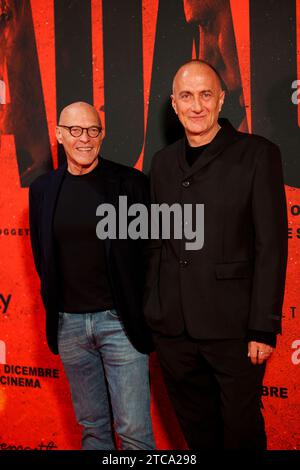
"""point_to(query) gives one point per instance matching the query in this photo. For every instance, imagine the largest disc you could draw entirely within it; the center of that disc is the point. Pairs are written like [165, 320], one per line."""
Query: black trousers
[215, 391]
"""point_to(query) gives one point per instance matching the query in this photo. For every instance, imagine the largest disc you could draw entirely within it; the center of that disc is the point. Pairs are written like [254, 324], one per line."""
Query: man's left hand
[259, 352]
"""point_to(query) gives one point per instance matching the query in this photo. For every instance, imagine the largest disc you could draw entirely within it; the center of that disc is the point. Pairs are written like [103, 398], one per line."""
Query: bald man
[218, 47]
[215, 311]
[92, 288]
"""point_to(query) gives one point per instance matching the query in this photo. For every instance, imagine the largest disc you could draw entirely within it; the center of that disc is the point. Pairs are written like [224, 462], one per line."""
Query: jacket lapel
[49, 207]
[226, 135]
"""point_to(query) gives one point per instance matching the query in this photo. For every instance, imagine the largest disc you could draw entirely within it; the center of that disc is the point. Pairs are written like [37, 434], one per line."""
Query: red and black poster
[121, 55]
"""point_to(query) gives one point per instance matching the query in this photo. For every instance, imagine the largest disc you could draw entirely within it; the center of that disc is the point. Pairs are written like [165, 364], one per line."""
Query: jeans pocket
[113, 313]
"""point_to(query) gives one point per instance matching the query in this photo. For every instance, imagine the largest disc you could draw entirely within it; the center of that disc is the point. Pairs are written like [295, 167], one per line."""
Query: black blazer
[235, 283]
[126, 261]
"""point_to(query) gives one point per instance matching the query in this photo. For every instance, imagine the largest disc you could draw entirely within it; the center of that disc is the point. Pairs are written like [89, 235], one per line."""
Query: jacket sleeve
[34, 210]
[270, 226]
[154, 246]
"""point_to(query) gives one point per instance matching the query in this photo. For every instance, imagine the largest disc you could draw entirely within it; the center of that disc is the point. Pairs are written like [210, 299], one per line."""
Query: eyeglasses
[76, 131]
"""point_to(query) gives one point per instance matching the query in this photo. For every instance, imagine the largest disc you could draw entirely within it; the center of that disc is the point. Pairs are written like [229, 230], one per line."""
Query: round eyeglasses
[77, 131]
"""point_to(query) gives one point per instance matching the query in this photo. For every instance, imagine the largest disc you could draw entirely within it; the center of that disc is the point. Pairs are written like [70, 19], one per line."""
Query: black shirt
[84, 283]
[193, 153]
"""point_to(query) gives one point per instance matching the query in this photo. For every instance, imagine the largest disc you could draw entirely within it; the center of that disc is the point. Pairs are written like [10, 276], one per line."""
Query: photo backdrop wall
[121, 55]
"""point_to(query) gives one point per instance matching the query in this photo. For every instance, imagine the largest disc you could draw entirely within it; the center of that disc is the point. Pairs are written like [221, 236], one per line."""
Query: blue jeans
[109, 380]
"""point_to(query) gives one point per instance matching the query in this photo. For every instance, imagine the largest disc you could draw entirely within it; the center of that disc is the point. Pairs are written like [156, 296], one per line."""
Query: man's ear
[58, 134]
[221, 99]
[174, 104]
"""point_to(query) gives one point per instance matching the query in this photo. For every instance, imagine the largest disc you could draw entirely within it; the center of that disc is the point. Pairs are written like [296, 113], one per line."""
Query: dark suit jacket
[235, 283]
[126, 262]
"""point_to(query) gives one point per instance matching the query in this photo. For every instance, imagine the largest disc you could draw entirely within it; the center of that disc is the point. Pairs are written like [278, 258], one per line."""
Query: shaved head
[77, 108]
[82, 151]
[197, 100]
[193, 65]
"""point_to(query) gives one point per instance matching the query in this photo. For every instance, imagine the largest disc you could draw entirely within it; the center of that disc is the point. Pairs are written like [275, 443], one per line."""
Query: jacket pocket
[235, 270]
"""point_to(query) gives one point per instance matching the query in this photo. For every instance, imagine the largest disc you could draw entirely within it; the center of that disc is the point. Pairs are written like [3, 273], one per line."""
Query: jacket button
[186, 183]
[183, 263]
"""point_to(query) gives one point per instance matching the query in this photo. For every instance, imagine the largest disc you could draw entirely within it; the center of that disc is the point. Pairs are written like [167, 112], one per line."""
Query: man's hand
[259, 352]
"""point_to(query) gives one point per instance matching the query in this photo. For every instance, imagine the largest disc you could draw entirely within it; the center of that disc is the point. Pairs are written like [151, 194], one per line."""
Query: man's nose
[84, 136]
[197, 104]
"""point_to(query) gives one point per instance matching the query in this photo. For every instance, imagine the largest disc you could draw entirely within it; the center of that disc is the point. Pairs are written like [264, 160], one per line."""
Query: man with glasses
[92, 288]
